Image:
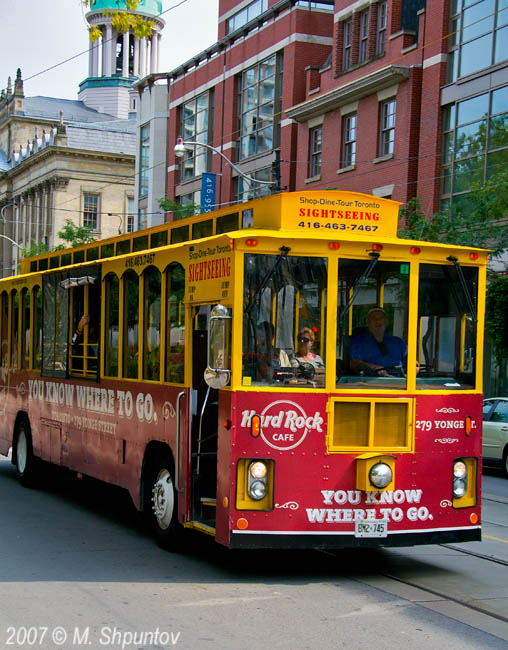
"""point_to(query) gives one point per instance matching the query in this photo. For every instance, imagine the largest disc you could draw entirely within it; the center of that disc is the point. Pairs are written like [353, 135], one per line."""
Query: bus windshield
[372, 323]
[446, 327]
[284, 319]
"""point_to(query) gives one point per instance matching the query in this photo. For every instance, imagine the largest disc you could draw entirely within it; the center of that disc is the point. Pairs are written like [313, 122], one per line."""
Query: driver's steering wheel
[305, 370]
[374, 372]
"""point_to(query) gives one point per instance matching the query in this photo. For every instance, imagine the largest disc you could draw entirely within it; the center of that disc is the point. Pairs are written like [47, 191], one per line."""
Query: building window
[348, 38]
[479, 33]
[348, 140]
[248, 13]
[246, 191]
[144, 160]
[91, 211]
[364, 36]
[130, 215]
[306, 4]
[387, 131]
[382, 11]
[141, 218]
[475, 144]
[316, 135]
[259, 90]
[195, 127]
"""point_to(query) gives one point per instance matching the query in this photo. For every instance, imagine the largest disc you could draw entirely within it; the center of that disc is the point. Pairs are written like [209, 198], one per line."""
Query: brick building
[235, 94]
[393, 98]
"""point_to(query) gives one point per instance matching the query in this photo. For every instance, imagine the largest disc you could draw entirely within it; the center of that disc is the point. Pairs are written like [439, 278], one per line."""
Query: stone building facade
[60, 160]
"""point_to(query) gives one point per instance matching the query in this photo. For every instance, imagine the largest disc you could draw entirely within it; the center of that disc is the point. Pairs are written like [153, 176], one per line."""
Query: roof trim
[349, 92]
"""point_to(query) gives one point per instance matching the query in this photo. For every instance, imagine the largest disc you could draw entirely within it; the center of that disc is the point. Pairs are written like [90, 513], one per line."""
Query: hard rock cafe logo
[284, 424]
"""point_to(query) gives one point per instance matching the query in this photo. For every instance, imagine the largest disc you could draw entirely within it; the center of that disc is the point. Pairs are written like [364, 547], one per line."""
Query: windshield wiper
[358, 285]
[465, 288]
[284, 250]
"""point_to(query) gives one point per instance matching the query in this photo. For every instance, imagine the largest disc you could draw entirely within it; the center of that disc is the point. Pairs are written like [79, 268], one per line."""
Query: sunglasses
[304, 339]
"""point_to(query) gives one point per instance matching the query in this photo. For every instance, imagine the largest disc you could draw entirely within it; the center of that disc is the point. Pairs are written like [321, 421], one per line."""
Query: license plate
[374, 528]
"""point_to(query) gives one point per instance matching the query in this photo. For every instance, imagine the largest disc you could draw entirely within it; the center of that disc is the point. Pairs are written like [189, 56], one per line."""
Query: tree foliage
[481, 224]
[71, 234]
[497, 315]
[76, 235]
[179, 210]
[123, 21]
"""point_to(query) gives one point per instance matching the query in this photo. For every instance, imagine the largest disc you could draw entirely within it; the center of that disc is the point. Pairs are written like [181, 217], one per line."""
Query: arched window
[37, 330]
[152, 324]
[131, 325]
[4, 331]
[14, 328]
[175, 328]
[112, 287]
[25, 328]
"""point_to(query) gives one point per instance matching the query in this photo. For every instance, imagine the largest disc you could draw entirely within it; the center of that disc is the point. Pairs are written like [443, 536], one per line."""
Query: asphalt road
[77, 569]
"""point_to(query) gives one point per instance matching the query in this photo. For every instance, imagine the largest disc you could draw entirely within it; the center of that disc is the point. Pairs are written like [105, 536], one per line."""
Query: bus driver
[375, 350]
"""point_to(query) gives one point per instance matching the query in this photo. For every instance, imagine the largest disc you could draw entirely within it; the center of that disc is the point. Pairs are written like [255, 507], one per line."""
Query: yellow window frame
[408, 447]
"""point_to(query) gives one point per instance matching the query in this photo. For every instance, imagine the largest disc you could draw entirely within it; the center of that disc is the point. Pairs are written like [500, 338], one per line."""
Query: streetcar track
[459, 601]
[494, 523]
[441, 594]
[481, 556]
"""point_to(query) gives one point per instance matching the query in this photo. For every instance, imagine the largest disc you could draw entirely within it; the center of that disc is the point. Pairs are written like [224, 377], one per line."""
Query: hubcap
[21, 452]
[163, 499]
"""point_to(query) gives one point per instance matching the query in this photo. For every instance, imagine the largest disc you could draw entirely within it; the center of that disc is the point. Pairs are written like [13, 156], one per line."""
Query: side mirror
[218, 373]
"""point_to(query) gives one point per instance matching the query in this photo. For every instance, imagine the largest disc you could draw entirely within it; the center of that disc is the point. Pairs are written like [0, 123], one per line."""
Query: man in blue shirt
[374, 350]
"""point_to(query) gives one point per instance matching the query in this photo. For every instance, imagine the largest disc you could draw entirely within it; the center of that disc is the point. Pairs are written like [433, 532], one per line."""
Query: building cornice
[349, 92]
[52, 150]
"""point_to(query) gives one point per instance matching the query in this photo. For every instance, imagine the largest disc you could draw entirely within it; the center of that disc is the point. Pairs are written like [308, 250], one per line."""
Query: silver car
[495, 432]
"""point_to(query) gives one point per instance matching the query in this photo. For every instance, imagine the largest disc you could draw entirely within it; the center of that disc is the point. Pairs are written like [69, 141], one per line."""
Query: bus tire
[161, 502]
[26, 463]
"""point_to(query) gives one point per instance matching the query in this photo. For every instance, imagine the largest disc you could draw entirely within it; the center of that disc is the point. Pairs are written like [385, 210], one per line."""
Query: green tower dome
[153, 7]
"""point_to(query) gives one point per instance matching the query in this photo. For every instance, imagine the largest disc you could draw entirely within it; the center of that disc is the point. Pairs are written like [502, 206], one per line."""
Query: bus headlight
[257, 490]
[256, 480]
[459, 469]
[258, 470]
[459, 487]
[255, 484]
[380, 475]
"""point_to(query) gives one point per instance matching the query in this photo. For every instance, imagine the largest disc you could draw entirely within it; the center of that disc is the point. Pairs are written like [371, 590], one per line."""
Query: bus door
[203, 424]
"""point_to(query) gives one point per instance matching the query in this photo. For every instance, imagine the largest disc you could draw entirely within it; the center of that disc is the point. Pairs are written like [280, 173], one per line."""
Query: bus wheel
[26, 463]
[162, 506]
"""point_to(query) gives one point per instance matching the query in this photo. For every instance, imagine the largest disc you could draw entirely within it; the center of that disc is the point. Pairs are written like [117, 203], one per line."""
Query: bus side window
[14, 313]
[175, 324]
[111, 334]
[4, 324]
[25, 328]
[55, 325]
[84, 327]
[37, 327]
[152, 323]
[130, 329]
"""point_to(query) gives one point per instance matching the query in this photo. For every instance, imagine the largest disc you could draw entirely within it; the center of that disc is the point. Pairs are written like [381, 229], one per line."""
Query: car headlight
[380, 475]
[459, 487]
[459, 469]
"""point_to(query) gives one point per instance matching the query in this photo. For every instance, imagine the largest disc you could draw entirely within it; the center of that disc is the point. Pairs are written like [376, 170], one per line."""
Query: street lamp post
[4, 208]
[180, 153]
[15, 243]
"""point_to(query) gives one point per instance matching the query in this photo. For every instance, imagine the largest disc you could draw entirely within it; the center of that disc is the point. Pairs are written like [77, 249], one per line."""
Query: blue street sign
[208, 187]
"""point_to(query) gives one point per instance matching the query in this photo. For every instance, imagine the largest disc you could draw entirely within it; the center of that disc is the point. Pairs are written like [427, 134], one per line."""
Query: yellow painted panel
[351, 424]
[391, 424]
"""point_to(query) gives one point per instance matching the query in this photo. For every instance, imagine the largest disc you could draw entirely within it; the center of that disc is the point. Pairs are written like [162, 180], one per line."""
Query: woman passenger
[306, 338]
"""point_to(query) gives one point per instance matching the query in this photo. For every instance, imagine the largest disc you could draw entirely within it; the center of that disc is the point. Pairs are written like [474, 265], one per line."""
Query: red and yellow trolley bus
[220, 377]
